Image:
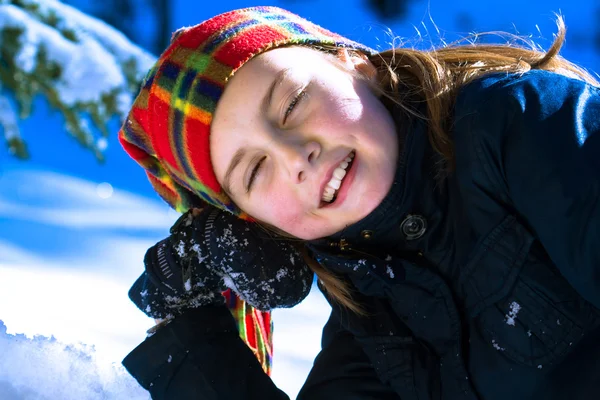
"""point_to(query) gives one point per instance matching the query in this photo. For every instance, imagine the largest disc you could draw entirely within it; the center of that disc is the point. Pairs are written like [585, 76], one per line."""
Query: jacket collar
[414, 192]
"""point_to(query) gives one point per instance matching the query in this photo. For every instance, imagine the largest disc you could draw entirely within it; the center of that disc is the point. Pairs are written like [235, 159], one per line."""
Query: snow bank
[43, 368]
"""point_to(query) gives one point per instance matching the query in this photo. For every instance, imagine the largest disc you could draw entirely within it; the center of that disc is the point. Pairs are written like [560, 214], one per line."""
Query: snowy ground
[80, 295]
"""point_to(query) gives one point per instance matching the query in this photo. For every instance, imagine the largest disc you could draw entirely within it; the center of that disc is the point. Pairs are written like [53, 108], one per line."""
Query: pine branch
[85, 69]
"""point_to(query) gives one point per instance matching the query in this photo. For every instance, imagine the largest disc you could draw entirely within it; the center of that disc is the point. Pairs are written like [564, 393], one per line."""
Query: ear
[359, 62]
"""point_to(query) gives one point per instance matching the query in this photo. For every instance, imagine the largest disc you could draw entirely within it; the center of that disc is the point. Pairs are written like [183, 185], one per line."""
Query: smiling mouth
[332, 188]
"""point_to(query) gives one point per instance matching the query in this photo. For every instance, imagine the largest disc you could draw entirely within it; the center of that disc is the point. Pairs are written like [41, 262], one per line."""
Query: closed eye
[293, 104]
[254, 173]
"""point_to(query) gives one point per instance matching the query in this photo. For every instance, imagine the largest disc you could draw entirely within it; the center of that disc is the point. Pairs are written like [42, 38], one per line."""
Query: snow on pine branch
[84, 68]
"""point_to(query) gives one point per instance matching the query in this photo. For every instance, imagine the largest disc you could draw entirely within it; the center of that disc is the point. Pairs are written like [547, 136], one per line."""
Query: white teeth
[336, 180]
[335, 183]
[340, 172]
[328, 193]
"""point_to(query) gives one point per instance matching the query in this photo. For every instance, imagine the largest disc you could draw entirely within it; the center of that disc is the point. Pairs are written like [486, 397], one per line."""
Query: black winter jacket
[486, 286]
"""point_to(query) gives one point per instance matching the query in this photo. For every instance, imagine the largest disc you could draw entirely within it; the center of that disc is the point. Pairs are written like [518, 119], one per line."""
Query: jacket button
[366, 234]
[413, 226]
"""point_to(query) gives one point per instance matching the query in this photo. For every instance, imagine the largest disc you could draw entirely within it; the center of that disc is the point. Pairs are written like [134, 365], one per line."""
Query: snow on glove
[206, 254]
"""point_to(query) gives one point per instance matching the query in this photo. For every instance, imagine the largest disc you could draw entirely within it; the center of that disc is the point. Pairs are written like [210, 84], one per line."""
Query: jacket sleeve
[200, 356]
[540, 135]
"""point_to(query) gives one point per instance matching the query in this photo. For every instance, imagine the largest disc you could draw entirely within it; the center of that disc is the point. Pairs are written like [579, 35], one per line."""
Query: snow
[91, 66]
[37, 192]
[512, 315]
[8, 118]
[497, 346]
[282, 272]
[26, 362]
[181, 249]
[95, 62]
[390, 271]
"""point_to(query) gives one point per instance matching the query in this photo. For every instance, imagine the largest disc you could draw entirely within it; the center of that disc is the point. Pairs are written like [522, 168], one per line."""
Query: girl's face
[282, 130]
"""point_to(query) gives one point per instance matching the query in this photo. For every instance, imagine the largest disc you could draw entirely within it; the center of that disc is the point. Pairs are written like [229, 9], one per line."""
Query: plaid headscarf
[167, 130]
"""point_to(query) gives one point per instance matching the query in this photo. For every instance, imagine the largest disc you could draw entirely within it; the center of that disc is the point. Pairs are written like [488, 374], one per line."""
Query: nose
[298, 157]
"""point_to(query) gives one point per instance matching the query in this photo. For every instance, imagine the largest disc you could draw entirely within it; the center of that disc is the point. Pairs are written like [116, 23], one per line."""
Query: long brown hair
[408, 76]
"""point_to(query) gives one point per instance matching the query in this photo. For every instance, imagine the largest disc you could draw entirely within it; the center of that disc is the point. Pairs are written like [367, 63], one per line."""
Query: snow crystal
[188, 285]
[388, 258]
[529, 333]
[144, 293]
[230, 284]
[390, 272]
[198, 251]
[148, 309]
[292, 260]
[558, 322]
[540, 366]
[282, 273]
[514, 310]
[181, 249]
[497, 346]
[228, 239]
[170, 358]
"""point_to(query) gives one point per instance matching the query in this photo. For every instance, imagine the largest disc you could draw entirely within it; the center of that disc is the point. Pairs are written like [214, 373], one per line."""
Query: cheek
[280, 209]
[345, 108]
[339, 118]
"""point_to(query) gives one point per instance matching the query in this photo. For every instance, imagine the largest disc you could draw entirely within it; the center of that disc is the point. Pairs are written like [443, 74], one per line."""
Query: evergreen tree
[87, 70]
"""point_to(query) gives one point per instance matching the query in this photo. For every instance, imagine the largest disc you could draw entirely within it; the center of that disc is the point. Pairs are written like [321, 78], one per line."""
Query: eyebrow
[237, 158]
[268, 99]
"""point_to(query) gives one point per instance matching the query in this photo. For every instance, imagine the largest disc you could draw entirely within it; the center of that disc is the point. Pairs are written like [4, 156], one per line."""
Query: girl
[447, 201]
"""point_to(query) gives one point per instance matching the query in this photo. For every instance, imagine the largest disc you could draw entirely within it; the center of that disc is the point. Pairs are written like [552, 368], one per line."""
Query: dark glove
[212, 251]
